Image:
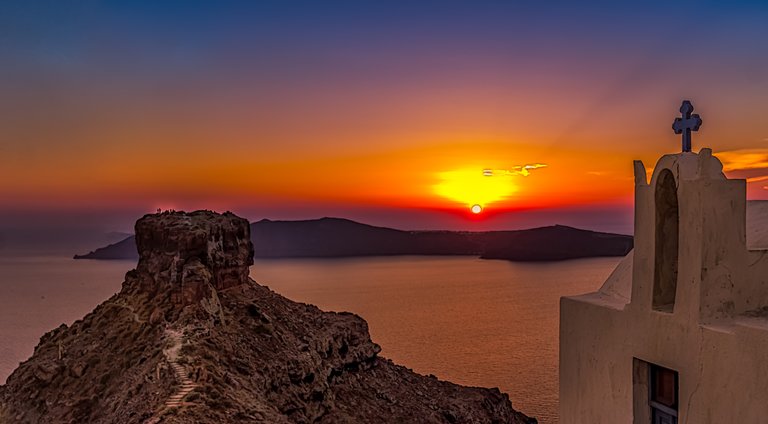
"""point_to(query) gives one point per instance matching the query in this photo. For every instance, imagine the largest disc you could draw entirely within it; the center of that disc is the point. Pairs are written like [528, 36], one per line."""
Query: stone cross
[686, 124]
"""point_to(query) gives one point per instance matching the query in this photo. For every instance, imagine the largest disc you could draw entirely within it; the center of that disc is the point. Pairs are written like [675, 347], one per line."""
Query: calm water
[471, 321]
[37, 294]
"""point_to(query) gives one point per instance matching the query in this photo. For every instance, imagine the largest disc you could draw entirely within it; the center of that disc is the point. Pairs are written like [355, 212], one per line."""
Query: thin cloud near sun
[750, 164]
[739, 160]
[521, 170]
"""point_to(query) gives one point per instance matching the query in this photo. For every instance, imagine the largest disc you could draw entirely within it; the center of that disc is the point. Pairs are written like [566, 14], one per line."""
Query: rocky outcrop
[192, 254]
[191, 339]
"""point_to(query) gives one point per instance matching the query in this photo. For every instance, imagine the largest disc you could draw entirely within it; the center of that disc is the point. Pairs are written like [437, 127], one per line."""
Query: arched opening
[667, 241]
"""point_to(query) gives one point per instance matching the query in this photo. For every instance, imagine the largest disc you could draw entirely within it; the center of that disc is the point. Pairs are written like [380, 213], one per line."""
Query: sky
[403, 114]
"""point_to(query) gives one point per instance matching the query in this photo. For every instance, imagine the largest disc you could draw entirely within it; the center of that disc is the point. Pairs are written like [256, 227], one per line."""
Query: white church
[678, 333]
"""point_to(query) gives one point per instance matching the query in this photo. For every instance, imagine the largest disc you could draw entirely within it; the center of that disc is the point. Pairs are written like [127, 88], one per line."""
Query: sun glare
[473, 189]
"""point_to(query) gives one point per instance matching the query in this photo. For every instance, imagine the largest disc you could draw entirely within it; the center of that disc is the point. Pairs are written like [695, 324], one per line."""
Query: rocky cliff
[191, 339]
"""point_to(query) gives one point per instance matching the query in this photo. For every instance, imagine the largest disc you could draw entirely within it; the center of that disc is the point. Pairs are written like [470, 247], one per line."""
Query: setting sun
[473, 188]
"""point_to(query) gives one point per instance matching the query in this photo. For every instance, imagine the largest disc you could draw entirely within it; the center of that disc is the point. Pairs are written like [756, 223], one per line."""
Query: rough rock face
[193, 254]
[191, 339]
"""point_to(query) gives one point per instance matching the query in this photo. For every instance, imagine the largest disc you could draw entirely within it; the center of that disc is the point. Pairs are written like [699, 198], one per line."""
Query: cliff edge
[191, 338]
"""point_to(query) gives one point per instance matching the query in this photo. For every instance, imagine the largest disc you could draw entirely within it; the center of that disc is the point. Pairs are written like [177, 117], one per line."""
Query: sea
[475, 322]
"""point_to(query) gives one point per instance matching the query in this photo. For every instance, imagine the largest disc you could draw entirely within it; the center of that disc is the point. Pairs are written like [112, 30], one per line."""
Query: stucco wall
[720, 353]
[723, 369]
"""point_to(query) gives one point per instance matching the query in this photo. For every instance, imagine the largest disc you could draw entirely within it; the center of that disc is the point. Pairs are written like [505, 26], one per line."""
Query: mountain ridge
[340, 237]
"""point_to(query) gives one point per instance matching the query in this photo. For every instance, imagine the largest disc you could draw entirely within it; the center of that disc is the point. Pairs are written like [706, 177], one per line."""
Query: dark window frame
[652, 377]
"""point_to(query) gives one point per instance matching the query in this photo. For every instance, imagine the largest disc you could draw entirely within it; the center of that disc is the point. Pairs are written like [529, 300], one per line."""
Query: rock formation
[191, 339]
[192, 256]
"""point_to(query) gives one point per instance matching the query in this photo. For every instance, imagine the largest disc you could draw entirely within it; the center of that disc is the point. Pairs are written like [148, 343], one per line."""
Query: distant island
[337, 238]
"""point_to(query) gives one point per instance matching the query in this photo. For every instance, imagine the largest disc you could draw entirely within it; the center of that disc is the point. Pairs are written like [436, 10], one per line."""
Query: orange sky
[227, 173]
[342, 110]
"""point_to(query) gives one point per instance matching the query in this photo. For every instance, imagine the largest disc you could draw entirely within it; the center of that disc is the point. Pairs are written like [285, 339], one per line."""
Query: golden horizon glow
[431, 176]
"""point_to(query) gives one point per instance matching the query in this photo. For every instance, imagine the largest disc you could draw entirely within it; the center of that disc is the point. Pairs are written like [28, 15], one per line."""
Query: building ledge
[600, 299]
[748, 320]
[755, 323]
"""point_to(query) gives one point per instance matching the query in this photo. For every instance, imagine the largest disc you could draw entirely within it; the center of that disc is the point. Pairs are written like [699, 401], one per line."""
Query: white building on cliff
[679, 332]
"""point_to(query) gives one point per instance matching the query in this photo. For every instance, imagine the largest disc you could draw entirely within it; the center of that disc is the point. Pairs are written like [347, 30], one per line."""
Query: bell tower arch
[667, 241]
